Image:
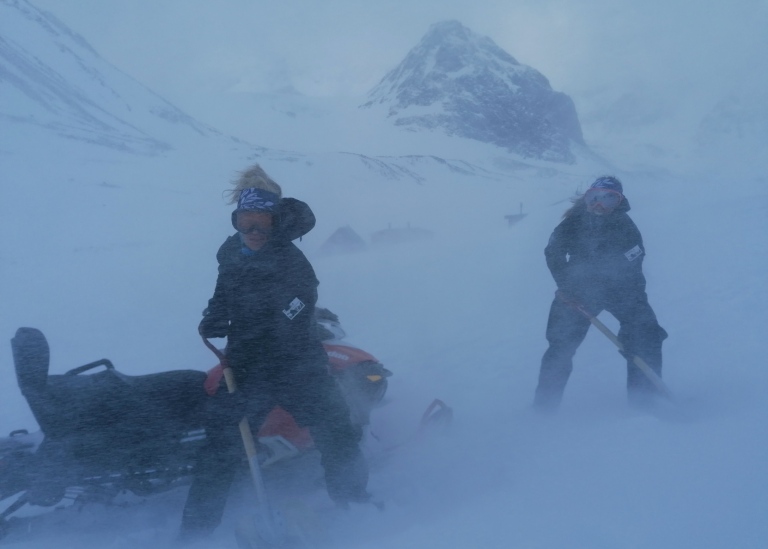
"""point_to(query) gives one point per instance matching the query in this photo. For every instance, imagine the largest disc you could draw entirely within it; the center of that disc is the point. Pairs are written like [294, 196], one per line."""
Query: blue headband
[607, 182]
[258, 200]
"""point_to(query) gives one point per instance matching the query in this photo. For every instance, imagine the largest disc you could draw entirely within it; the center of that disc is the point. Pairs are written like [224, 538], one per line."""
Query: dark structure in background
[343, 241]
[514, 218]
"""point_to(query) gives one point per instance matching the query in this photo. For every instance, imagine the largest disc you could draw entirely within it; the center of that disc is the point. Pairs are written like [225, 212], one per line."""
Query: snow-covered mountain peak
[453, 49]
[464, 84]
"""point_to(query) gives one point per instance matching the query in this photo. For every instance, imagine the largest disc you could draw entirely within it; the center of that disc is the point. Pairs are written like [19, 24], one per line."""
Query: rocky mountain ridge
[463, 84]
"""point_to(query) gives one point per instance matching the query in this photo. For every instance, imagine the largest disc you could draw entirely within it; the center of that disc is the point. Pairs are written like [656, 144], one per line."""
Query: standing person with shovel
[263, 304]
[595, 256]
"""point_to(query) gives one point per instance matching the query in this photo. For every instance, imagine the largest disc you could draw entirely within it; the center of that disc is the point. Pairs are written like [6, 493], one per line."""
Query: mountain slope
[735, 133]
[463, 84]
[114, 257]
[52, 79]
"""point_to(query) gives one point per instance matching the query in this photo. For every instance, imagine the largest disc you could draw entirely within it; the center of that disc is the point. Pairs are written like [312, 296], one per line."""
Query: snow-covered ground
[112, 254]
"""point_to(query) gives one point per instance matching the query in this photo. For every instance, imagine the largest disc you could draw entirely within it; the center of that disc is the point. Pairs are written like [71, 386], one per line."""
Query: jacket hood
[294, 219]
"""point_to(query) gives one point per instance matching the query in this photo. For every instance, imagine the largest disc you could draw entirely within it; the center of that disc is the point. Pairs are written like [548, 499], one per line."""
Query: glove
[211, 327]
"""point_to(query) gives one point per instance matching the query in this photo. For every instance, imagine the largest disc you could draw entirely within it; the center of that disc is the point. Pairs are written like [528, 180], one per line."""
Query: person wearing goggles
[264, 303]
[595, 256]
[602, 201]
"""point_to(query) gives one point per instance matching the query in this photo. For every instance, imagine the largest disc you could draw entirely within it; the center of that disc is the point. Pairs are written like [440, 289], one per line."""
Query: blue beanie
[607, 182]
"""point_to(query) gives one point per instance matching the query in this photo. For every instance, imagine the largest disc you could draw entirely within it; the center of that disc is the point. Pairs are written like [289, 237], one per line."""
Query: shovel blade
[261, 532]
[296, 526]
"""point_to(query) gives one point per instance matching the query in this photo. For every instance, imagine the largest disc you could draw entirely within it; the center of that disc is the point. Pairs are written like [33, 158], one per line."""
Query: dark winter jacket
[264, 301]
[593, 255]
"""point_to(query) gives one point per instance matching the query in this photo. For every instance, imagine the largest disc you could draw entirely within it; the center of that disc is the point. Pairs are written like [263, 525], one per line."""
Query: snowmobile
[103, 433]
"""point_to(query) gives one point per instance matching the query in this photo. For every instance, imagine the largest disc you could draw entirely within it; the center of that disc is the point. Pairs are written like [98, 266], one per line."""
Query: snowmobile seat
[175, 396]
[124, 407]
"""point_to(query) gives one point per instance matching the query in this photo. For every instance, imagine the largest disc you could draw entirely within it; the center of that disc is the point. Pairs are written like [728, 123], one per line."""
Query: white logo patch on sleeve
[634, 253]
[294, 308]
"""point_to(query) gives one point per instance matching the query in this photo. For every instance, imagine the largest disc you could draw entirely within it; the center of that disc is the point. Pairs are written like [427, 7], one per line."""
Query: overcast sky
[332, 47]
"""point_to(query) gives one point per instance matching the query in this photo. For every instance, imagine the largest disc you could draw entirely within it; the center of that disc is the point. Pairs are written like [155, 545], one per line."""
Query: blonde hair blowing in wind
[253, 177]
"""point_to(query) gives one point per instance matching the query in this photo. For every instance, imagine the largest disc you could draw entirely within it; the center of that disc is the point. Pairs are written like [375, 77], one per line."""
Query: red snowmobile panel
[343, 356]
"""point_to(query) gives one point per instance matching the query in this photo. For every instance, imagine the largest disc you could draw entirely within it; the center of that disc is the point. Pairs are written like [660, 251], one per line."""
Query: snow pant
[315, 401]
[639, 333]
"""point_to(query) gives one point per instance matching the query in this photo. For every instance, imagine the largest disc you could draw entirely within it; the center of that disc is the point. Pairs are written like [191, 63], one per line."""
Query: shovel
[266, 530]
[639, 362]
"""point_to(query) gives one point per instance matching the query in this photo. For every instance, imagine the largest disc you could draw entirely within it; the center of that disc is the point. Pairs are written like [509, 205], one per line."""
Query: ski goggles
[602, 199]
[253, 227]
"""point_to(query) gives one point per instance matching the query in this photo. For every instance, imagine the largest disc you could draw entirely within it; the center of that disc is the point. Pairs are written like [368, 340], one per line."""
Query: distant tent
[343, 241]
[399, 235]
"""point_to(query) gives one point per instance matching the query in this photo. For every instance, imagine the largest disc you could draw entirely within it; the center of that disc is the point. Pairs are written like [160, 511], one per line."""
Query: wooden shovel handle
[639, 362]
